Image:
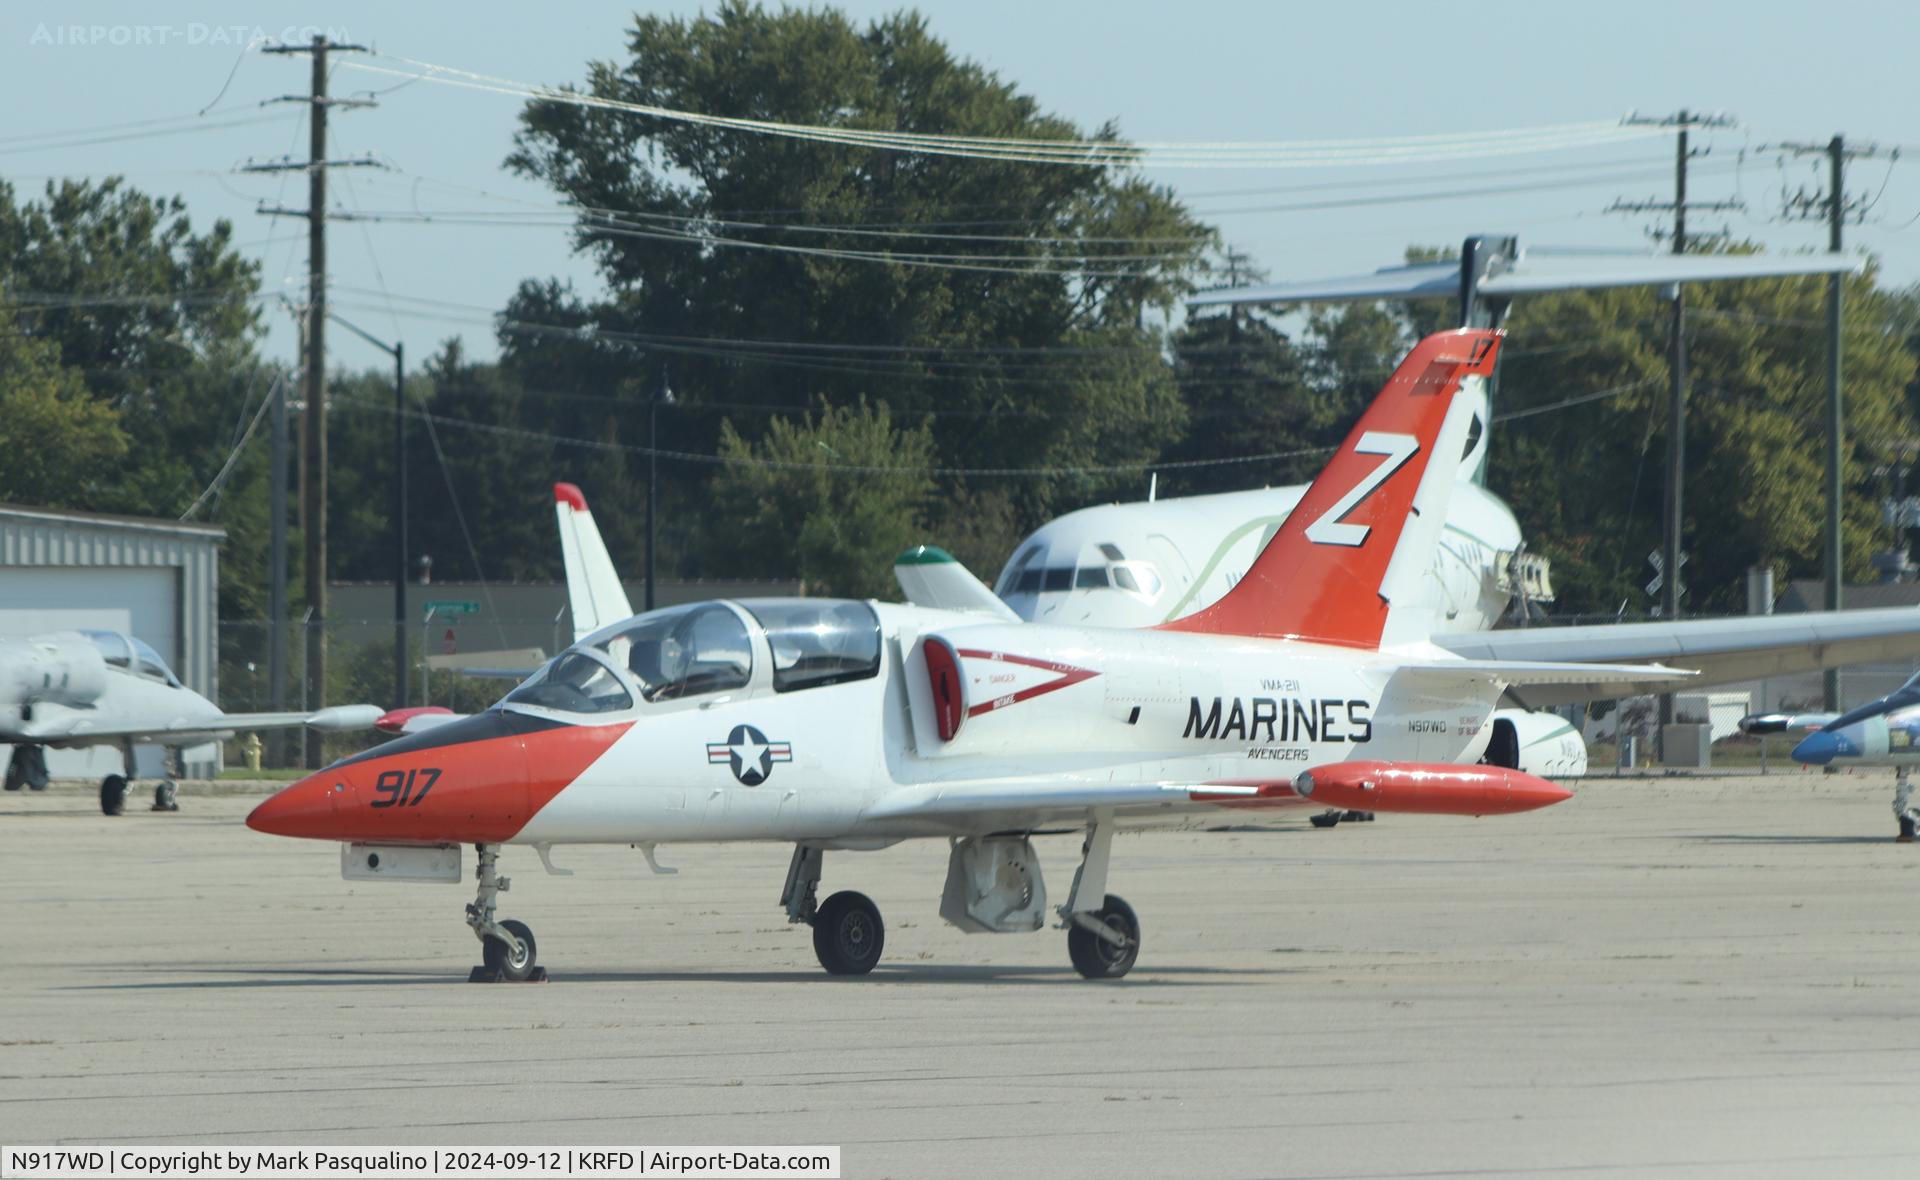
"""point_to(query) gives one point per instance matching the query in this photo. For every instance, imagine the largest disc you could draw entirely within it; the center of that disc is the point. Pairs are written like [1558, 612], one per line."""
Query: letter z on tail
[1363, 536]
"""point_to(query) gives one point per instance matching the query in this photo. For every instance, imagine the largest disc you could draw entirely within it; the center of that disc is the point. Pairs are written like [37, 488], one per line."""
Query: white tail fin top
[594, 592]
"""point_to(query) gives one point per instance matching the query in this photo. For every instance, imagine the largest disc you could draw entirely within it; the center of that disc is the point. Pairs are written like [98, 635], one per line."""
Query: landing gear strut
[1103, 935]
[113, 788]
[27, 768]
[848, 934]
[506, 948]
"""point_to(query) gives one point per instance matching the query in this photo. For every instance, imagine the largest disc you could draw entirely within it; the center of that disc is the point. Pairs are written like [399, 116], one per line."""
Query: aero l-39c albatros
[101, 688]
[844, 726]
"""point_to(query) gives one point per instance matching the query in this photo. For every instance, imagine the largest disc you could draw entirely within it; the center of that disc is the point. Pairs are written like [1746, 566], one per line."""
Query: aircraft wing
[1722, 651]
[932, 578]
[997, 806]
[84, 727]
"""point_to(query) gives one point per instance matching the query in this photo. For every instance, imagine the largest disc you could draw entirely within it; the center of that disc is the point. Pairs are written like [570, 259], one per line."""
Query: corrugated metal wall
[43, 537]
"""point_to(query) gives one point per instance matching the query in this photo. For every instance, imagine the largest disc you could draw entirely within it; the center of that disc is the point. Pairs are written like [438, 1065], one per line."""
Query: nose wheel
[507, 950]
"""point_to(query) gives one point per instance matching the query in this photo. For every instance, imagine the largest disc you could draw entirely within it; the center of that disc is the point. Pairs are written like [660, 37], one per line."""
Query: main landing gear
[27, 768]
[1103, 940]
[1327, 819]
[848, 934]
[114, 787]
[993, 884]
[506, 948]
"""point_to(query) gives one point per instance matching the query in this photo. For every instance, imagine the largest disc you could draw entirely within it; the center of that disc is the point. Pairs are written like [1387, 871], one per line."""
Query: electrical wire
[1097, 153]
[220, 477]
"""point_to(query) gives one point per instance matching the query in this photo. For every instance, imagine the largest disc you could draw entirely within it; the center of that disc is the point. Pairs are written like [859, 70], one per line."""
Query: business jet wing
[52, 726]
[1722, 651]
[931, 577]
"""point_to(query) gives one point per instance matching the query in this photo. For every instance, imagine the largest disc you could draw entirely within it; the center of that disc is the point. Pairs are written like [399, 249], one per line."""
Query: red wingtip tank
[1428, 789]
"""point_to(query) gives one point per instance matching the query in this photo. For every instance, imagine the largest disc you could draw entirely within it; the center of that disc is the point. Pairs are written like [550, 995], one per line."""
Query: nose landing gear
[507, 949]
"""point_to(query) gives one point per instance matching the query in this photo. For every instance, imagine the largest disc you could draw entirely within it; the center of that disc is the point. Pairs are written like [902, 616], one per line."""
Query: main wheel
[1096, 958]
[848, 934]
[113, 795]
[166, 797]
[1326, 819]
[513, 963]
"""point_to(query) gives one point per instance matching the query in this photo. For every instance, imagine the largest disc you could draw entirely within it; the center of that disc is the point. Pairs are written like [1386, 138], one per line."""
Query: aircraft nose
[1820, 748]
[307, 808]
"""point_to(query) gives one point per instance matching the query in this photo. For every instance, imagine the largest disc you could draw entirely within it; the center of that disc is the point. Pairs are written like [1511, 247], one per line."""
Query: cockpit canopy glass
[818, 641]
[575, 683]
[1904, 697]
[133, 654]
[683, 651]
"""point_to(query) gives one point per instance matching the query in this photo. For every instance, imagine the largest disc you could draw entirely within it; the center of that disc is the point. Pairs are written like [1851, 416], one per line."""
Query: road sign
[446, 608]
[1658, 561]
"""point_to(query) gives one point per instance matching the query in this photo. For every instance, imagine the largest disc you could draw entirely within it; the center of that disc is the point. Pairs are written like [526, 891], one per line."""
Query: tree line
[869, 350]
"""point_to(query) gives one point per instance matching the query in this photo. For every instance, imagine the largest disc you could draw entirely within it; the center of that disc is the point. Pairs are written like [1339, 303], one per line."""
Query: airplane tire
[113, 795]
[848, 934]
[1326, 819]
[166, 797]
[1096, 958]
[502, 958]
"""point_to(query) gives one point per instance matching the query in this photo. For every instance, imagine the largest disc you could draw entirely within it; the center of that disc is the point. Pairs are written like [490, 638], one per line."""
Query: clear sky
[1198, 70]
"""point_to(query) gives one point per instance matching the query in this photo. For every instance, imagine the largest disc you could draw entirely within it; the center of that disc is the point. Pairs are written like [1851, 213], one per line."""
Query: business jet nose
[308, 808]
[1822, 747]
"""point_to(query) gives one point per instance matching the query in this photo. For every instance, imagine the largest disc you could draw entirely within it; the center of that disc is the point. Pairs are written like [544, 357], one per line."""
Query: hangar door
[138, 600]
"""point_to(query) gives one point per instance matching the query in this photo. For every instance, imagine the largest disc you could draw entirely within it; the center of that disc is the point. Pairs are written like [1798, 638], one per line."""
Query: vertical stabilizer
[1363, 536]
[594, 592]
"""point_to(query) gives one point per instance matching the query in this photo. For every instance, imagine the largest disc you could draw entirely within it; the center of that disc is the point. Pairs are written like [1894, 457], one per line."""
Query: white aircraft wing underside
[1722, 651]
[1012, 806]
[85, 727]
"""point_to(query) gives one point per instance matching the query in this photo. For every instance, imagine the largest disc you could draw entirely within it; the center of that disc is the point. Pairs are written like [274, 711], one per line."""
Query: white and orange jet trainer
[841, 725]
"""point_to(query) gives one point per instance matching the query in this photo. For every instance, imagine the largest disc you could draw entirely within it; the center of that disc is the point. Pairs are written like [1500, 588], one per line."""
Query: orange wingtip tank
[1427, 788]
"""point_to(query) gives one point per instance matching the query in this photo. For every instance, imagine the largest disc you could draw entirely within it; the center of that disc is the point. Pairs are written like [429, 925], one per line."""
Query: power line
[1094, 153]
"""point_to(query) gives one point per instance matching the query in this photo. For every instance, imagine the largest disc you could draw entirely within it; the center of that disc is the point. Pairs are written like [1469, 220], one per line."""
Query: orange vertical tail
[1364, 533]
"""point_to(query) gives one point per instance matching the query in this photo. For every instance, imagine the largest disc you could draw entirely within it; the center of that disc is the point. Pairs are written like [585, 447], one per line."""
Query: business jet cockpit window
[818, 641]
[684, 651]
[135, 655]
[575, 683]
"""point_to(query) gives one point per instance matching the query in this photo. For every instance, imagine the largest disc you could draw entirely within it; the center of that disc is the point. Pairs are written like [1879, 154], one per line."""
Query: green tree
[842, 489]
[51, 432]
[1586, 479]
[157, 323]
[1002, 301]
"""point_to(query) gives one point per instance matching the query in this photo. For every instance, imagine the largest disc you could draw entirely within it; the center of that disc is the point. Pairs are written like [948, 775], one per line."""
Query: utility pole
[1673, 516]
[1836, 208]
[313, 507]
[662, 396]
[277, 576]
[398, 351]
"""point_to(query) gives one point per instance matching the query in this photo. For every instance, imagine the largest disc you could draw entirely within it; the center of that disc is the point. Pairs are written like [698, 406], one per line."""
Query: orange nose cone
[307, 808]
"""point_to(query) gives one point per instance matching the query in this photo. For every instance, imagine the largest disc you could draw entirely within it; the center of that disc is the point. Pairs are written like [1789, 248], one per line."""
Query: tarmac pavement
[1665, 976]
